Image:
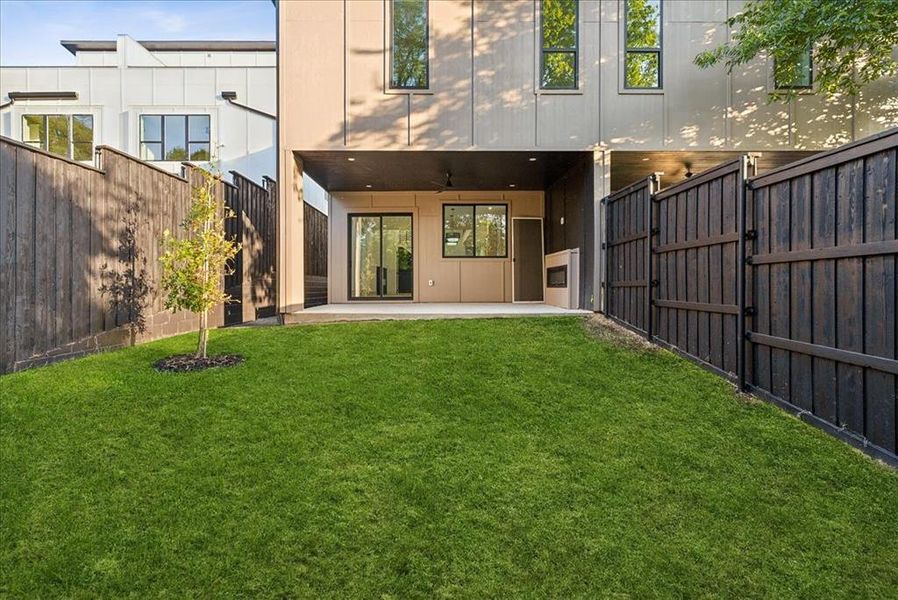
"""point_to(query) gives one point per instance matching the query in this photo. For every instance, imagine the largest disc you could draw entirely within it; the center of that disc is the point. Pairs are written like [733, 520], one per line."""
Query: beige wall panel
[696, 11]
[376, 119]
[572, 120]
[525, 204]
[313, 29]
[482, 280]
[695, 100]
[819, 122]
[429, 265]
[393, 200]
[504, 61]
[756, 124]
[443, 119]
[877, 107]
[509, 292]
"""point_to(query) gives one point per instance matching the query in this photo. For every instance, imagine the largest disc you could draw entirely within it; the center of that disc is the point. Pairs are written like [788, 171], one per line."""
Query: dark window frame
[426, 85]
[557, 269]
[44, 144]
[575, 50]
[187, 141]
[809, 86]
[473, 206]
[659, 50]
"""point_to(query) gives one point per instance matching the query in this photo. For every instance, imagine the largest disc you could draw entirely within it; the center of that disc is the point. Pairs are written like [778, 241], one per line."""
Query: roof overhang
[75, 46]
[413, 170]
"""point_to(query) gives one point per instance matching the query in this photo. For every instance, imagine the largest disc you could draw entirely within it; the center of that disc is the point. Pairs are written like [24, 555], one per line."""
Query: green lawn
[476, 458]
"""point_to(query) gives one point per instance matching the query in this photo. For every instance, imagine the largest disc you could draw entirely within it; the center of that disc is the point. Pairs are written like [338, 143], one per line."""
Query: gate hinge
[655, 230]
[655, 283]
[604, 245]
[751, 234]
[748, 260]
[749, 311]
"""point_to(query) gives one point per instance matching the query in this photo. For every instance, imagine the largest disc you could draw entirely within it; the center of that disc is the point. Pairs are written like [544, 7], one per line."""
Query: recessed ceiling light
[510, 185]
[532, 159]
[367, 185]
[351, 159]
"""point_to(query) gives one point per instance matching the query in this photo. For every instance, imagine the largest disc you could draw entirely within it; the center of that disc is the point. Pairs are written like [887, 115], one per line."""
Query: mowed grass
[474, 458]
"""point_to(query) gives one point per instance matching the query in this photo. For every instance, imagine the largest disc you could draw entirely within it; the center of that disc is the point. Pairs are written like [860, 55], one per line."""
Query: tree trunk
[203, 337]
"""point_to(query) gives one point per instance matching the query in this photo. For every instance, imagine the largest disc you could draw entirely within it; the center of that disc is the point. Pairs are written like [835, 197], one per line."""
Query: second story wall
[484, 91]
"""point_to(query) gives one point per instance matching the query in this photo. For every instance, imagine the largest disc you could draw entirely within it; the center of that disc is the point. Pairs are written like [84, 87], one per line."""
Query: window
[642, 68]
[71, 136]
[408, 42]
[558, 25]
[174, 137]
[475, 230]
[802, 78]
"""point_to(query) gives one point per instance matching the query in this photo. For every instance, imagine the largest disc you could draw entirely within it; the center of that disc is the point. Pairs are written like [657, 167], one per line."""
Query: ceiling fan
[445, 185]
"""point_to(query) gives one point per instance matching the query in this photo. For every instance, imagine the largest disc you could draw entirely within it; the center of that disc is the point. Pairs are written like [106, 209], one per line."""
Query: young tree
[128, 288]
[852, 41]
[192, 268]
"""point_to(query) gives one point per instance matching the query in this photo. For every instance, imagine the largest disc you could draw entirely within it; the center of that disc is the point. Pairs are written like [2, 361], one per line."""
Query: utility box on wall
[563, 278]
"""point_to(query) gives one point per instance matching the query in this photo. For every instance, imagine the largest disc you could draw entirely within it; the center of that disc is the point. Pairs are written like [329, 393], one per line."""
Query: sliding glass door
[380, 256]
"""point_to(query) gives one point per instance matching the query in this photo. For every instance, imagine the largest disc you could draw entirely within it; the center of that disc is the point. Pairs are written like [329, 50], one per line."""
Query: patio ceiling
[426, 170]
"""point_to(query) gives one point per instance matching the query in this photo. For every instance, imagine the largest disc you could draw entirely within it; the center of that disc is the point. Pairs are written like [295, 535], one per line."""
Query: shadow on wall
[703, 109]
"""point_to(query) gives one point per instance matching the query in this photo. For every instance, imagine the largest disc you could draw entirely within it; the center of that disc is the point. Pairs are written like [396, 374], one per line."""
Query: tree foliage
[193, 267]
[852, 41]
[643, 31]
[559, 31]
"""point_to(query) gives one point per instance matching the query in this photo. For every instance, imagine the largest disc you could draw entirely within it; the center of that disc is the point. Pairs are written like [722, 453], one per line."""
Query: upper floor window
[408, 45]
[558, 61]
[71, 136]
[802, 77]
[475, 230]
[642, 58]
[174, 137]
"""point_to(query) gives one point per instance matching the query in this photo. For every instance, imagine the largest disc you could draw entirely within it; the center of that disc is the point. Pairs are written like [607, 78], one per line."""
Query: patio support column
[601, 187]
[290, 235]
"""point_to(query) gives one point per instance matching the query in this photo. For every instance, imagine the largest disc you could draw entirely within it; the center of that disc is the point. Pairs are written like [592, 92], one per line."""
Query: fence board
[8, 172]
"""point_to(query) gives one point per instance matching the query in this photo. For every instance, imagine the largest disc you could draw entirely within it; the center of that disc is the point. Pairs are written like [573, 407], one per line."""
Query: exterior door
[380, 257]
[527, 259]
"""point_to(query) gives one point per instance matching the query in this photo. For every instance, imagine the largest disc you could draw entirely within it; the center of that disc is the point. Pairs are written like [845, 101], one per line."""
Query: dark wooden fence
[61, 223]
[315, 256]
[783, 282]
[251, 285]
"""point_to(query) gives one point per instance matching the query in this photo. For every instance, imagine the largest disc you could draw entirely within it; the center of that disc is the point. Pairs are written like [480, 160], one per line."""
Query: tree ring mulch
[185, 363]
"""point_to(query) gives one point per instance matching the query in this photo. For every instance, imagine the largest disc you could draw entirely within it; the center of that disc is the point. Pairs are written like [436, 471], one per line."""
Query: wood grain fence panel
[8, 172]
[880, 298]
[849, 283]
[81, 265]
[779, 200]
[716, 273]
[761, 324]
[801, 293]
[97, 251]
[823, 198]
[62, 241]
[730, 184]
[703, 276]
[44, 253]
[26, 193]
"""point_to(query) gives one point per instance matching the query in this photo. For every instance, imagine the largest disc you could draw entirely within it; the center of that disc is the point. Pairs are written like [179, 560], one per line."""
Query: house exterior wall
[117, 87]
[484, 93]
[454, 279]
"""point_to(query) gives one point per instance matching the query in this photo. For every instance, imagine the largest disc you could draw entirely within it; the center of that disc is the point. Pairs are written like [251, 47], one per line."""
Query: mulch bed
[184, 363]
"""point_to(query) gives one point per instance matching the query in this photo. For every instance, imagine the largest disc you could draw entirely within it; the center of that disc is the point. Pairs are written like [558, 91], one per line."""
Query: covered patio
[387, 311]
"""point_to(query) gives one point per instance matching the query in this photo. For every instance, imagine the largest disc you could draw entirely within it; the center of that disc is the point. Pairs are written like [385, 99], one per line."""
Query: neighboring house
[164, 102]
[536, 108]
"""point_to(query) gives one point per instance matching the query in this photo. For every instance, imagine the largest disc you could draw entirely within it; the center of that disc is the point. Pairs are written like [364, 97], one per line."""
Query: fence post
[746, 170]
[653, 186]
[607, 299]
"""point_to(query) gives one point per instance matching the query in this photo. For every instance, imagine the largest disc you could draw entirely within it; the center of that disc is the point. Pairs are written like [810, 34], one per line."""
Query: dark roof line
[75, 46]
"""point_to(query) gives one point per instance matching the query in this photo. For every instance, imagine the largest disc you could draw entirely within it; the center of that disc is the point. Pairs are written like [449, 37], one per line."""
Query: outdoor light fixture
[351, 159]
[532, 159]
[511, 185]
[689, 172]
[367, 185]
[231, 98]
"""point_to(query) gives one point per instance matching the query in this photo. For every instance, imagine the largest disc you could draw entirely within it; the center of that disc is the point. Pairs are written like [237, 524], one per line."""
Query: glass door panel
[380, 261]
[396, 267]
[364, 275]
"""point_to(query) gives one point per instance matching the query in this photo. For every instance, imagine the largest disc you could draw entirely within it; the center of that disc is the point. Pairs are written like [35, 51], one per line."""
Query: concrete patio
[380, 311]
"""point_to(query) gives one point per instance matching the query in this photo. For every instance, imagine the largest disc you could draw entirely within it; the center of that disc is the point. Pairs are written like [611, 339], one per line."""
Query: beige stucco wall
[484, 92]
[454, 279]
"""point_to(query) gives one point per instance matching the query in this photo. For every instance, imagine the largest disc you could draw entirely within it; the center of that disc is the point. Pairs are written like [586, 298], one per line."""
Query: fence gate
[627, 265]
[697, 266]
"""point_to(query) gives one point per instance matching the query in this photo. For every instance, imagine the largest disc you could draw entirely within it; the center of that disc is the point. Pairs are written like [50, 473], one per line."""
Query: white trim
[542, 253]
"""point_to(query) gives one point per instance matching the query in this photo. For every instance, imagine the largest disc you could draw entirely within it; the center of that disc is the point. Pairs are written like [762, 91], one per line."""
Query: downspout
[231, 98]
